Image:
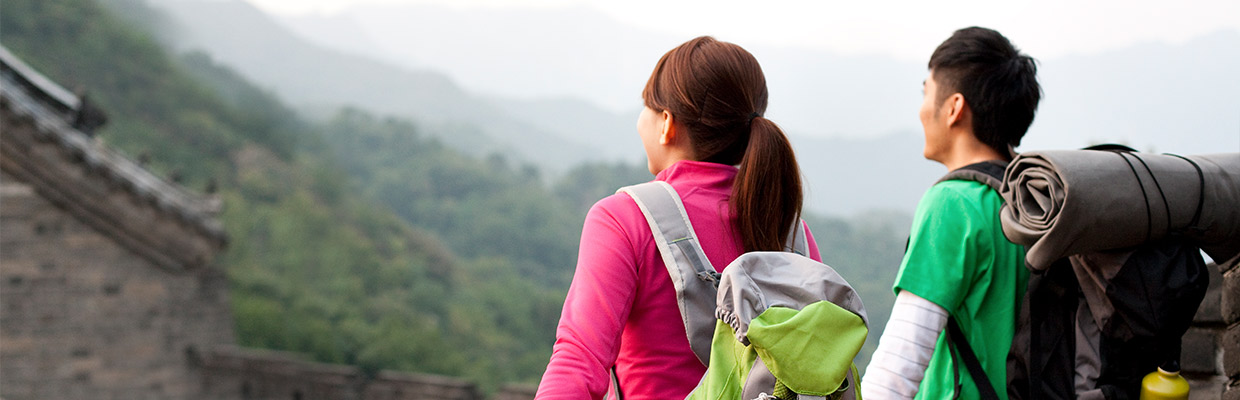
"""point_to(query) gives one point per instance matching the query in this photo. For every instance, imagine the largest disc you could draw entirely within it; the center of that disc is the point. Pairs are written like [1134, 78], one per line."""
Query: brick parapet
[1210, 355]
[1230, 300]
[516, 392]
[234, 372]
[1230, 308]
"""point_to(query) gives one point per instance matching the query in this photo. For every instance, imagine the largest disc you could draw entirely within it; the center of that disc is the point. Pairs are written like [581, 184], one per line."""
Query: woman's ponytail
[718, 93]
[766, 197]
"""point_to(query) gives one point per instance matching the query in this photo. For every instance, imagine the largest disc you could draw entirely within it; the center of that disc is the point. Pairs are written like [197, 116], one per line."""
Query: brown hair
[717, 92]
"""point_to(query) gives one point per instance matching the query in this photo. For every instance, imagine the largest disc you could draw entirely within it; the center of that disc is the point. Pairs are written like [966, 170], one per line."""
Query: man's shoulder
[966, 202]
[958, 192]
[962, 187]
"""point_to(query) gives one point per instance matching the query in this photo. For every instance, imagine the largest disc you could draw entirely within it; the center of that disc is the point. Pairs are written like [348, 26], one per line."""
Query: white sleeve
[899, 364]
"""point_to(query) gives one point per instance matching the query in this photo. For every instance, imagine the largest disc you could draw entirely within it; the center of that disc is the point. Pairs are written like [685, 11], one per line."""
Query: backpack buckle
[709, 276]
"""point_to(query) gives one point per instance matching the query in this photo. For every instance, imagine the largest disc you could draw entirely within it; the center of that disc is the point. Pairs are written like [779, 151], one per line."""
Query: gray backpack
[1147, 296]
[782, 325]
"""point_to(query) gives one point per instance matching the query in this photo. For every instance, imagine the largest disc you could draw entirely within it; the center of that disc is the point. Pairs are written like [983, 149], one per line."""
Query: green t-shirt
[959, 259]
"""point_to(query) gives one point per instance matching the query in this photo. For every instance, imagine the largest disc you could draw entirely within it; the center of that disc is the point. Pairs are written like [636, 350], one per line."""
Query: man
[978, 101]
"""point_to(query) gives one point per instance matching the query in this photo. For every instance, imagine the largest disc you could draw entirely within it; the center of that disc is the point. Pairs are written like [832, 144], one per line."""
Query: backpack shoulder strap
[692, 275]
[798, 241]
[957, 343]
[989, 173]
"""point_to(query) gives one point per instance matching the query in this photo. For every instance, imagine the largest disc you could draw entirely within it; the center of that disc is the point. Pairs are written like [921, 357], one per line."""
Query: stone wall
[82, 317]
[1211, 350]
[235, 373]
[1229, 342]
[516, 392]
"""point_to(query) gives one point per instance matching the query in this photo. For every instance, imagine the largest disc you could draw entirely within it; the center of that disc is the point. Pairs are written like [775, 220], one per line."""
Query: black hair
[998, 82]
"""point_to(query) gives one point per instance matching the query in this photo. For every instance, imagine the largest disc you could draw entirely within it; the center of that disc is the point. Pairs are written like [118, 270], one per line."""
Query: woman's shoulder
[618, 207]
[618, 200]
[617, 217]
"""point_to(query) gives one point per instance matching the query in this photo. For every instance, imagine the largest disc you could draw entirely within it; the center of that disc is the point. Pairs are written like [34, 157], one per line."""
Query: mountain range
[1134, 94]
[555, 87]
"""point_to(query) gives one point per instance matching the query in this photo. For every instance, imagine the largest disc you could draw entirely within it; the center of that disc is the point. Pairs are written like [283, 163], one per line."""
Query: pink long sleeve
[621, 307]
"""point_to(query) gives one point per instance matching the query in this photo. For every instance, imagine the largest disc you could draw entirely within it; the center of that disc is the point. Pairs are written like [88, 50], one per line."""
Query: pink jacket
[621, 308]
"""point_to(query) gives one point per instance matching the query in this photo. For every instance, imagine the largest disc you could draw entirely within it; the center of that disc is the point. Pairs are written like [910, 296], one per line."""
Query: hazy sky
[902, 29]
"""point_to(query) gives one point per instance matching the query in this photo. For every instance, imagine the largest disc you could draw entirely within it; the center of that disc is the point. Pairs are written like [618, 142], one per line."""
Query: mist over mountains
[559, 86]
[577, 51]
[319, 80]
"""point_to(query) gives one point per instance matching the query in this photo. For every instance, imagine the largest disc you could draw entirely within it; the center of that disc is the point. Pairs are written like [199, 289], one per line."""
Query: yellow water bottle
[1165, 383]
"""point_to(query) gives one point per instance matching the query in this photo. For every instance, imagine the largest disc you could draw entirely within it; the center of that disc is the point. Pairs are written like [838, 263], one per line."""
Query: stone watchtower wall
[82, 317]
[106, 273]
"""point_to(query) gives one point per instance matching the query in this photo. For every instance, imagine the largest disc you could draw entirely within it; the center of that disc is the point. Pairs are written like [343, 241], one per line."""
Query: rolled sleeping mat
[1066, 202]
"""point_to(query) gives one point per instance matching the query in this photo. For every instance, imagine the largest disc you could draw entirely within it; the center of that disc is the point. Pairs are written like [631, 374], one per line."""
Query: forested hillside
[363, 239]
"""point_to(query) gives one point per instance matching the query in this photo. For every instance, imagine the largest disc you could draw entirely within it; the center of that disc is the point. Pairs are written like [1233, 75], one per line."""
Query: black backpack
[1145, 301]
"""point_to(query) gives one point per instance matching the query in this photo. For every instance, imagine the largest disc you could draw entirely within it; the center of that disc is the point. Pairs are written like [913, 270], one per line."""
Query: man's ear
[956, 109]
[669, 128]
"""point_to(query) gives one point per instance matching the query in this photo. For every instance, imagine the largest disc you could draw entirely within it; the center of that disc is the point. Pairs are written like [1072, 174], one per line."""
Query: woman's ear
[669, 129]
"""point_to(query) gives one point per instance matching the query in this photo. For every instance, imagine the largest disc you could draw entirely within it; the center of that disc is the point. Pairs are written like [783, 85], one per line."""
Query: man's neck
[970, 152]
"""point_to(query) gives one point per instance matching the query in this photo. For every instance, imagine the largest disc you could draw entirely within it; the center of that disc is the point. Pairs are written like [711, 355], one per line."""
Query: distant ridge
[307, 75]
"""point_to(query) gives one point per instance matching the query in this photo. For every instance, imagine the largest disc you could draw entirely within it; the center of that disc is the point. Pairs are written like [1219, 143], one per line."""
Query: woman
[703, 118]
